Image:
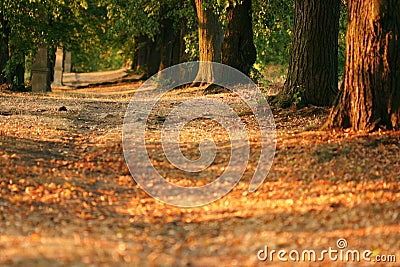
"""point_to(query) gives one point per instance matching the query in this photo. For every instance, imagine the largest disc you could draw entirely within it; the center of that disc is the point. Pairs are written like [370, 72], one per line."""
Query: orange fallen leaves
[68, 195]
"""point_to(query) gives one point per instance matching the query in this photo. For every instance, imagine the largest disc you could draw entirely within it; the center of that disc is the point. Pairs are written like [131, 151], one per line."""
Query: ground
[67, 197]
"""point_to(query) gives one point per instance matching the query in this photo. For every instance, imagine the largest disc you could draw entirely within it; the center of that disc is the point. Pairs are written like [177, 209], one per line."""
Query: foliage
[191, 38]
[129, 20]
[298, 97]
[97, 58]
[103, 34]
[272, 26]
[125, 22]
[39, 22]
[90, 47]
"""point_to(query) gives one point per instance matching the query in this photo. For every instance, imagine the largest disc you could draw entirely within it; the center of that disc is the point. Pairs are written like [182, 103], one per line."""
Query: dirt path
[67, 198]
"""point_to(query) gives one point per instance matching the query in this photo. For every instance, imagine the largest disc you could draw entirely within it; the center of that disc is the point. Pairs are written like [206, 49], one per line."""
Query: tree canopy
[105, 34]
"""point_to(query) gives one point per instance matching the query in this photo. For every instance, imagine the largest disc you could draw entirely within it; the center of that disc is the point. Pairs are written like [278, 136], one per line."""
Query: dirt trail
[67, 197]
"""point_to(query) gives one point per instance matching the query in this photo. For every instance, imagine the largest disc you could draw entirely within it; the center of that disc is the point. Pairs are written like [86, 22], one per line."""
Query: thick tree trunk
[238, 50]
[210, 38]
[210, 33]
[312, 74]
[4, 49]
[371, 88]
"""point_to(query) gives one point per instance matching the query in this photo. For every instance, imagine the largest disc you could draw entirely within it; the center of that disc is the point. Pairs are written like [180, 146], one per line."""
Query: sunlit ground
[67, 197]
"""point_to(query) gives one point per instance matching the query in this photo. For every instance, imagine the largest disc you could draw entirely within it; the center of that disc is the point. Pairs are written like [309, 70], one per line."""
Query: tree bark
[141, 54]
[312, 74]
[370, 96]
[4, 49]
[51, 62]
[238, 50]
[210, 32]
[153, 57]
[166, 46]
[210, 39]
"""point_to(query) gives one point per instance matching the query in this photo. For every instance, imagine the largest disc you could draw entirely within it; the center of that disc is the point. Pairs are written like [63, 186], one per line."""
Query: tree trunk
[20, 76]
[370, 96]
[51, 62]
[147, 56]
[238, 50]
[16, 70]
[167, 39]
[153, 57]
[141, 54]
[312, 74]
[210, 38]
[177, 55]
[4, 49]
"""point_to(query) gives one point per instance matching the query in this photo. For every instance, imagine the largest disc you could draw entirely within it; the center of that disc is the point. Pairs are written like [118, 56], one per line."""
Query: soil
[67, 197]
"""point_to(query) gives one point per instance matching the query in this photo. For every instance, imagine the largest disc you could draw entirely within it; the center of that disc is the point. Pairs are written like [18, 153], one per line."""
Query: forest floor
[67, 197]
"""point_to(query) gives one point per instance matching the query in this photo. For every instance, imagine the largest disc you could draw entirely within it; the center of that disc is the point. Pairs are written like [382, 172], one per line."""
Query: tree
[167, 36]
[4, 49]
[210, 32]
[149, 32]
[238, 50]
[370, 94]
[210, 38]
[312, 74]
[26, 25]
[185, 23]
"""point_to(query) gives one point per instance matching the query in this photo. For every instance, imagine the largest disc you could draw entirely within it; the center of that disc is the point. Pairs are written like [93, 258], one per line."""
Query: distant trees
[238, 48]
[4, 43]
[12, 46]
[25, 25]
[133, 27]
[312, 74]
[370, 94]
[149, 35]
[272, 31]
[167, 36]
[163, 38]
[234, 48]
[152, 35]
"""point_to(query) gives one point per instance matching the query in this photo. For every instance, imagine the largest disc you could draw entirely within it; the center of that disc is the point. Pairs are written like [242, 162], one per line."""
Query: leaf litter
[67, 197]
